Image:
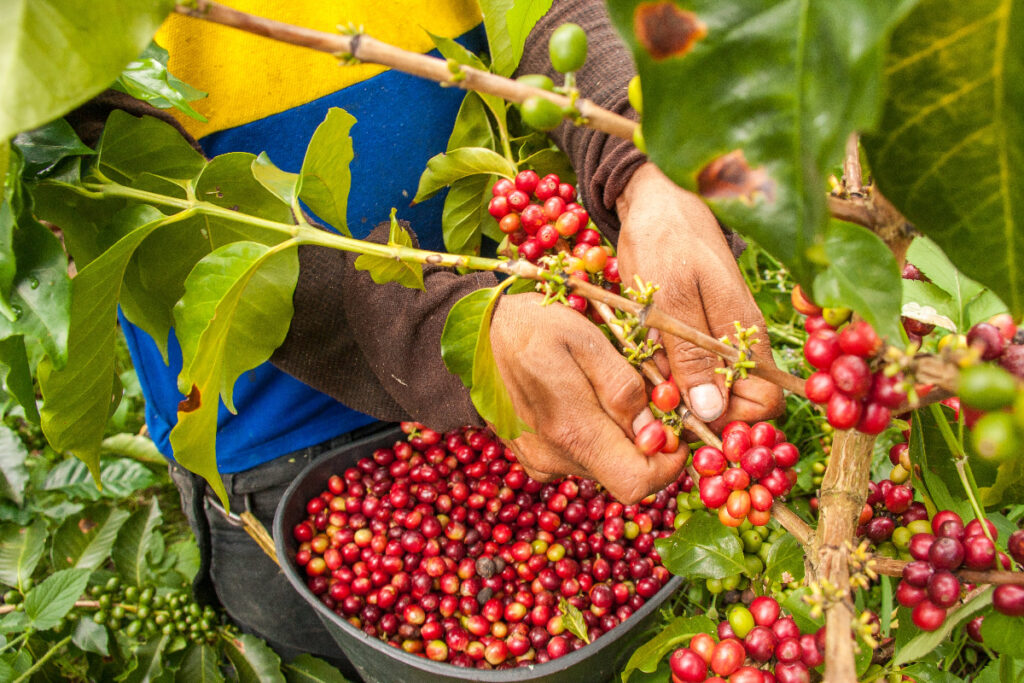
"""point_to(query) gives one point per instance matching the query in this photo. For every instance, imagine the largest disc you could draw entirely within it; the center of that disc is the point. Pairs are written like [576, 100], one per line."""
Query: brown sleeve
[603, 163]
[377, 348]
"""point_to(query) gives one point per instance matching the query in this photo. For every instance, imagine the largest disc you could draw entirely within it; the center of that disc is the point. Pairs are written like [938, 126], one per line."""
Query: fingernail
[706, 402]
[643, 418]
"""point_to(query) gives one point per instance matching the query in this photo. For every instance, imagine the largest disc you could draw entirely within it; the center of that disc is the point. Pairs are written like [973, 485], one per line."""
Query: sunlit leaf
[384, 269]
[51, 600]
[84, 540]
[675, 634]
[325, 178]
[148, 79]
[445, 169]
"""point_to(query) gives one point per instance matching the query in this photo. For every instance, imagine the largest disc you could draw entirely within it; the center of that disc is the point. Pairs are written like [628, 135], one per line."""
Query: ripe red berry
[822, 348]
[887, 391]
[1016, 546]
[713, 492]
[820, 386]
[547, 187]
[709, 461]
[509, 223]
[687, 665]
[499, 207]
[898, 499]
[567, 224]
[928, 616]
[908, 595]
[567, 192]
[987, 339]
[802, 303]
[843, 412]
[518, 200]
[727, 656]
[761, 498]
[651, 437]
[860, 339]
[786, 454]
[547, 236]
[1009, 599]
[851, 375]
[765, 610]
[946, 553]
[527, 180]
[874, 418]
[666, 396]
[503, 187]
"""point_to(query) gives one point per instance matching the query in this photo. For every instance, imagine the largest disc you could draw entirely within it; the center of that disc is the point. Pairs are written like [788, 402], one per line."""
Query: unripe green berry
[568, 48]
[541, 113]
[539, 81]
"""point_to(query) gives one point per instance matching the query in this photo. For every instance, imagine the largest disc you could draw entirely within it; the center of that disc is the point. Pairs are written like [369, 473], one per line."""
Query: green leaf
[119, 478]
[452, 50]
[862, 275]
[148, 79]
[17, 375]
[1004, 634]
[133, 544]
[132, 146]
[573, 620]
[1000, 670]
[384, 269]
[930, 452]
[928, 303]
[702, 548]
[236, 310]
[325, 178]
[56, 55]
[150, 660]
[1008, 486]
[445, 169]
[785, 556]
[279, 183]
[91, 637]
[520, 19]
[795, 605]
[781, 85]
[308, 669]
[551, 160]
[472, 128]
[466, 350]
[923, 643]
[675, 634]
[186, 557]
[465, 214]
[254, 661]
[950, 148]
[20, 550]
[44, 147]
[962, 291]
[926, 672]
[200, 665]
[77, 397]
[13, 622]
[50, 601]
[84, 540]
[228, 181]
[13, 474]
[134, 446]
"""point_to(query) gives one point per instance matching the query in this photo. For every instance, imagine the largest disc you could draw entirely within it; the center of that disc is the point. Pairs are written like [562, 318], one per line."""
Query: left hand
[670, 238]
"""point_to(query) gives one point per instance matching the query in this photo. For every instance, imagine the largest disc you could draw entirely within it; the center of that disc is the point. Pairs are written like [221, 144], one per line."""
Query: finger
[660, 358]
[752, 399]
[693, 370]
[618, 386]
[628, 474]
[540, 455]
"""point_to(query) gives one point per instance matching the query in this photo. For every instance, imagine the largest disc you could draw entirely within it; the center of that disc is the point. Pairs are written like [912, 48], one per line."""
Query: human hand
[582, 399]
[669, 237]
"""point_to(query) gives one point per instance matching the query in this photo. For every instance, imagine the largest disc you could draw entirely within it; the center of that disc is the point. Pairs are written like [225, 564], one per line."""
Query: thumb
[619, 388]
[693, 370]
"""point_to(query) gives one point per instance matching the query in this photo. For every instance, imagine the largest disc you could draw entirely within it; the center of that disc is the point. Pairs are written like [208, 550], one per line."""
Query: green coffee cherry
[995, 437]
[636, 98]
[568, 48]
[537, 81]
[987, 387]
[541, 113]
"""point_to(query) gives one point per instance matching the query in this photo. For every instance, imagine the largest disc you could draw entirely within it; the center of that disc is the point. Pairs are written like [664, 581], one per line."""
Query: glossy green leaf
[926, 672]
[785, 556]
[1000, 670]
[84, 540]
[57, 54]
[44, 147]
[91, 637]
[148, 79]
[472, 128]
[134, 542]
[926, 641]
[930, 453]
[228, 182]
[572, 619]
[308, 669]
[17, 375]
[119, 478]
[279, 183]
[795, 605]
[48, 603]
[151, 662]
[13, 474]
[445, 169]
[325, 177]
[702, 548]
[236, 310]
[254, 661]
[452, 50]
[466, 351]
[199, 665]
[950, 147]
[778, 86]
[863, 275]
[675, 634]
[508, 23]
[77, 397]
[384, 269]
[132, 146]
[520, 19]
[134, 446]
[465, 214]
[20, 551]
[1004, 634]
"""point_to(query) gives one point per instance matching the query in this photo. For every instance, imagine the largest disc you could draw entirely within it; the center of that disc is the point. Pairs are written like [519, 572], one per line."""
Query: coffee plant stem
[962, 467]
[890, 567]
[15, 641]
[42, 660]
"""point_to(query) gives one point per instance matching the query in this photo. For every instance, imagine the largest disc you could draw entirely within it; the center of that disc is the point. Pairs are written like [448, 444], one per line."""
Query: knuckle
[629, 490]
[628, 396]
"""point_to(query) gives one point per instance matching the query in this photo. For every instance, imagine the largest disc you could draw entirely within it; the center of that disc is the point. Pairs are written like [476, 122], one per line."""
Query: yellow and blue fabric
[268, 96]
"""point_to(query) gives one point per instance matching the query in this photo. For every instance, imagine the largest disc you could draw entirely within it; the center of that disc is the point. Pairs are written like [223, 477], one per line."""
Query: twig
[853, 181]
[890, 567]
[43, 660]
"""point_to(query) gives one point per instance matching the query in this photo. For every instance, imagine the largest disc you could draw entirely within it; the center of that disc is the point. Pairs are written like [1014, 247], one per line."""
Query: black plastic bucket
[378, 662]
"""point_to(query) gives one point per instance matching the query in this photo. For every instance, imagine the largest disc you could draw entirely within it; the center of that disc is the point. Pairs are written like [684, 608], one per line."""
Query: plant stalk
[42, 660]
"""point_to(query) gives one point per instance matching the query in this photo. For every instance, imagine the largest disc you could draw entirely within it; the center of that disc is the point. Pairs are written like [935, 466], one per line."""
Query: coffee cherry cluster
[144, 613]
[444, 547]
[929, 585]
[890, 507]
[854, 395]
[742, 479]
[756, 644]
[536, 213]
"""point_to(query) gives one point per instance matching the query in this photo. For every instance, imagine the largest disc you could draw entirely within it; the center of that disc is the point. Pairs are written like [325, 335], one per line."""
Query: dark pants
[236, 573]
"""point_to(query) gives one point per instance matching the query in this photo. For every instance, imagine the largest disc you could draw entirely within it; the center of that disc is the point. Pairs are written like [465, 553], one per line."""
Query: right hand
[582, 399]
